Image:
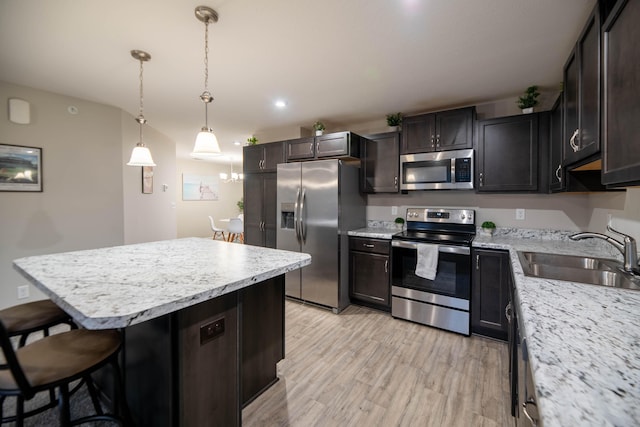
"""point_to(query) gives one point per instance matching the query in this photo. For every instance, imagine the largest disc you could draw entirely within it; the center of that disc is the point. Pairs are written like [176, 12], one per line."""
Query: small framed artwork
[199, 187]
[20, 168]
[147, 180]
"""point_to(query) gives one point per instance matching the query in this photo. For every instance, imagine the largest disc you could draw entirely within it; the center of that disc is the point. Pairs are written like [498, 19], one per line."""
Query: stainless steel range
[445, 237]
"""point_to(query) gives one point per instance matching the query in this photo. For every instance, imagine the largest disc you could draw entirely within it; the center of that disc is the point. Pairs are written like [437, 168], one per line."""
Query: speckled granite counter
[124, 285]
[375, 232]
[583, 340]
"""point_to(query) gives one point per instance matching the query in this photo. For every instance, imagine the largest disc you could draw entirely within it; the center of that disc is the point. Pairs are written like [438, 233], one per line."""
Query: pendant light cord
[141, 118]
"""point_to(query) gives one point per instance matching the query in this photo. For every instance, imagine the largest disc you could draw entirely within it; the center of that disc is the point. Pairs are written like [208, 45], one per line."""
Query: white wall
[192, 216]
[81, 206]
[148, 217]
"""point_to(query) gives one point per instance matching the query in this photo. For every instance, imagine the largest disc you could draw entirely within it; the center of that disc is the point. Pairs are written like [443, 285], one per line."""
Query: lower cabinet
[490, 293]
[369, 272]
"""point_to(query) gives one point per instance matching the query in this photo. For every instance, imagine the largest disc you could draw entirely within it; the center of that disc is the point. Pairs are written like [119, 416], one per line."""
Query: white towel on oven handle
[427, 260]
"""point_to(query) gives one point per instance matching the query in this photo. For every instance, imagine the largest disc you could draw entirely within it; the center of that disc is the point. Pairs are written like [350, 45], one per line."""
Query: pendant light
[141, 156]
[206, 145]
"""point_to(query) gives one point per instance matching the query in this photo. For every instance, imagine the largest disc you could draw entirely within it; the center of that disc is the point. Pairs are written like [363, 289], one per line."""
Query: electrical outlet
[23, 292]
[520, 214]
[394, 210]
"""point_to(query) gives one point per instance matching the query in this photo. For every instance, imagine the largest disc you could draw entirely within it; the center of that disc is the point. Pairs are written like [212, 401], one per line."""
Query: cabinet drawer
[377, 246]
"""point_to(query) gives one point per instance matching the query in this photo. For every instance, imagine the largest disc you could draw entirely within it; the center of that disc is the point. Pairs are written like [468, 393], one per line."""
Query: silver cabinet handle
[481, 179]
[437, 140]
[317, 148]
[526, 414]
[386, 265]
[311, 149]
[433, 145]
[477, 262]
[395, 181]
[507, 312]
[572, 143]
[366, 245]
[558, 173]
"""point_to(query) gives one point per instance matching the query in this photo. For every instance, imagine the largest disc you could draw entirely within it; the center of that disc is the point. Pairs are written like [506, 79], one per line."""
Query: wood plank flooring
[364, 368]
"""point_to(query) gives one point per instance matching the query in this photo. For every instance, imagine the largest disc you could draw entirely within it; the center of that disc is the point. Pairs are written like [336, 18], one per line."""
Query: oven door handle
[449, 249]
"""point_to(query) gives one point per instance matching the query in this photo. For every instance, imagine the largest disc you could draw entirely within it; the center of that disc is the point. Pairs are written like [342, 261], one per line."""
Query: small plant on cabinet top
[252, 141]
[529, 99]
[318, 126]
[394, 119]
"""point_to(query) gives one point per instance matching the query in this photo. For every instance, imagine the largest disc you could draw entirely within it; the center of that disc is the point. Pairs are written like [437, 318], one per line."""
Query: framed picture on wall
[20, 168]
[199, 187]
[147, 180]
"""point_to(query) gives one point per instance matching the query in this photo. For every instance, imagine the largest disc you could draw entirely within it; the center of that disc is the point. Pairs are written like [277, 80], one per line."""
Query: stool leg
[19, 411]
[94, 396]
[63, 406]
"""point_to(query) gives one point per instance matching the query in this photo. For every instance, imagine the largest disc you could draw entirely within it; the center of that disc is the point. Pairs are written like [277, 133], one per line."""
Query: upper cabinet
[262, 157]
[621, 86]
[557, 179]
[440, 131]
[582, 94]
[380, 163]
[338, 144]
[512, 153]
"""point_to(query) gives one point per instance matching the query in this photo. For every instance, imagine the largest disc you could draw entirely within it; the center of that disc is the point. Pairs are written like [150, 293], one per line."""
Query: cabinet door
[491, 286]
[508, 154]
[380, 163]
[333, 145]
[273, 154]
[252, 158]
[454, 129]
[418, 134]
[370, 278]
[270, 211]
[570, 107]
[299, 149]
[621, 94]
[587, 65]
[556, 178]
[253, 209]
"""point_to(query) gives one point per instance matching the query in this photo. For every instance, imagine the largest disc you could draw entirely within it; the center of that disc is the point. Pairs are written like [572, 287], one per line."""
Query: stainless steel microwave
[440, 170]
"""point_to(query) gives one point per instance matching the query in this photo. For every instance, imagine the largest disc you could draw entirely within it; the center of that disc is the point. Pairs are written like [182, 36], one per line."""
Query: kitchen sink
[594, 271]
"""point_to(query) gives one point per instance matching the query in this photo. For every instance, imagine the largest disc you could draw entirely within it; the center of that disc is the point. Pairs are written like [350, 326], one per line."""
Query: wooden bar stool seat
[54, 362]
[24, 319]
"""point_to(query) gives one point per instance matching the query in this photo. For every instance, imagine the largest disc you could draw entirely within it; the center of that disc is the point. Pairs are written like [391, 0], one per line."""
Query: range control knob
[462, 216]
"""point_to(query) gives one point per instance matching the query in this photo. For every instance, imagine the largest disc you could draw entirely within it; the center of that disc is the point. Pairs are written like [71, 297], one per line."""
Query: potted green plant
[252, 141]
[488, 227]
[240, 204]
[394, 121]
[319, 128]
[399, 222]
[529, 100]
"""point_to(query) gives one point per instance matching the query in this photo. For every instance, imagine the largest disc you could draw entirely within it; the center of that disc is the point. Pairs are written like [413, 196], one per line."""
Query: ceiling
[332, 60]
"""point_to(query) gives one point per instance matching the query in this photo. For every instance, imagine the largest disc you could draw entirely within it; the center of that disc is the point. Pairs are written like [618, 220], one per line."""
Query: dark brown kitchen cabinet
[337, 144]
[260, 191]
[556, 171]
[621, 116]
[262, 157]
[369, 272]
[490, 293]
[509, 150]
[380, 163]
[582, 94]
[440, 131]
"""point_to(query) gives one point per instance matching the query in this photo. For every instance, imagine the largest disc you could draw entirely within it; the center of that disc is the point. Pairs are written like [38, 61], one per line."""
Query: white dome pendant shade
[141, 156]
[206, 145]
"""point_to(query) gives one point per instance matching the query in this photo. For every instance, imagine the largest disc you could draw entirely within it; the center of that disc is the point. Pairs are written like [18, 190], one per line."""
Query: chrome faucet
[627, 247]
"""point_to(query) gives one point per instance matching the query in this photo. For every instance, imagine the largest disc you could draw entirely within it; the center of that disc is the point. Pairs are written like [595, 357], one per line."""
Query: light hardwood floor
[364, 368]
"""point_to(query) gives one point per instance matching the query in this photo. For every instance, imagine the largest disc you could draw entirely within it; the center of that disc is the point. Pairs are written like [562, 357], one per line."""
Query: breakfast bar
[203, 320]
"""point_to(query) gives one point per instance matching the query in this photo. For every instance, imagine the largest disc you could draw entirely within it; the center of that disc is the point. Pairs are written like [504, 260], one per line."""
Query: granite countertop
[583, 340]
[123, 285]
[374, 232]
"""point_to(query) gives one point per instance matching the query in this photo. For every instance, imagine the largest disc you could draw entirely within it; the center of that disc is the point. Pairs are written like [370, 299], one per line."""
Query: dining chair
[56, 361]
[241, 216]
[216, 231]
[236, 230]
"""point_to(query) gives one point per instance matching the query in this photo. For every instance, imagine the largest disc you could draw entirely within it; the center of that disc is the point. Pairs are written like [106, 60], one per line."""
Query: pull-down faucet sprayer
[627, 247]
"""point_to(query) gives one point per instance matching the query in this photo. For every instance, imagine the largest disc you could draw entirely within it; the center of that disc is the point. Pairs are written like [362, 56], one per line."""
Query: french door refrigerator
[318, 203]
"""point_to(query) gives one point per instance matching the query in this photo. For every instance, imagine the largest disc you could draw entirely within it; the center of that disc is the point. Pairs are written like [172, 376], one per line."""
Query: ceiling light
[206, 145]
[280, 103]
[141, 156]
[235, 177]
[236, 142]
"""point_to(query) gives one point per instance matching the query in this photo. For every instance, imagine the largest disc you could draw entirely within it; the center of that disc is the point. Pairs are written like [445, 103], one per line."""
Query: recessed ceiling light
[280, 103]
[236, 142]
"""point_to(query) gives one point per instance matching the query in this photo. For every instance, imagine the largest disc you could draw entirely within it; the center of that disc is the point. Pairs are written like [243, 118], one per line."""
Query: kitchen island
[203, 320]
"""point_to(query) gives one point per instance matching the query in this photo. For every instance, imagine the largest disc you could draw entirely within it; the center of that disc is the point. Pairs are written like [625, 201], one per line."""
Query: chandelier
[232, 177]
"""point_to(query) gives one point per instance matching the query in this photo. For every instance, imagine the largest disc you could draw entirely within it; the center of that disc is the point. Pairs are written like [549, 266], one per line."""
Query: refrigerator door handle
[303, 231]
[296, 215]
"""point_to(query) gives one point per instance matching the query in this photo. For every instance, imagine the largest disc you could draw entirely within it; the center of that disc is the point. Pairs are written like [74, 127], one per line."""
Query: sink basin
[594, 271]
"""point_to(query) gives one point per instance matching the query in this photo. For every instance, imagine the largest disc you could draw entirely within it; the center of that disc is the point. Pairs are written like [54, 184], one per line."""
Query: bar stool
[54, 362]
[24, 319]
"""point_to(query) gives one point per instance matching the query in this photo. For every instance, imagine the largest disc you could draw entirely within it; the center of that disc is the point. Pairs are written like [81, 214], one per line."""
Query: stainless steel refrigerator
[318, 203]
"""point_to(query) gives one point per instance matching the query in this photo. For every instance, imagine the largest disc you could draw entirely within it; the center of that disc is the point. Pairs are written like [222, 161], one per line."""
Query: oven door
[453, 277]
